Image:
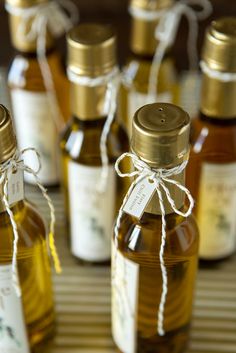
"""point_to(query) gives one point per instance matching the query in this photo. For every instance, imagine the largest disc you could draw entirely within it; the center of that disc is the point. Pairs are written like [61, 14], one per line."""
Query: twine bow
[112, 81]
[161, 178]
[6, 170]
[165, 33]
[57, 17]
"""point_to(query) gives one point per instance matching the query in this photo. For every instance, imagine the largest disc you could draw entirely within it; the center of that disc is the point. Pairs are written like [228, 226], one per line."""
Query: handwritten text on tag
[15, 187]
[139, 198]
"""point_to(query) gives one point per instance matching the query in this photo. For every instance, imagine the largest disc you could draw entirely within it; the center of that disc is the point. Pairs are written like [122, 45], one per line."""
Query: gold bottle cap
[91, 49]
[25, 3]
[219, 49]
[160, 135]
[143, 39]
[7, 136]
[20, 42]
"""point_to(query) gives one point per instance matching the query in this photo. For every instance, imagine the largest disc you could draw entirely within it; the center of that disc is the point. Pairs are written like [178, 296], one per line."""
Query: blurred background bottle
[211, 173]
[143, 44]
[32, 314]
[160, 138]
[37, 117]
[91, 56]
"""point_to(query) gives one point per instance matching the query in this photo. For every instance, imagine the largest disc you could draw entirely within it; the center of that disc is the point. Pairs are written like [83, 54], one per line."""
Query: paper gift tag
[139, 198]
[15, 187]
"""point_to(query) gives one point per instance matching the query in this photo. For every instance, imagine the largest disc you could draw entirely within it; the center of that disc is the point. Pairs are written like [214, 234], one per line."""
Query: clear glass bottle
[143, 45]
[91, 51]
[34, 117]
[29, 318]
[160, 138]
[211, 173]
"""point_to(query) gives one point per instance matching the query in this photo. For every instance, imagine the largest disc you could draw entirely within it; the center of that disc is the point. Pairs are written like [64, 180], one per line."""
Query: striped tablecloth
[82, 295]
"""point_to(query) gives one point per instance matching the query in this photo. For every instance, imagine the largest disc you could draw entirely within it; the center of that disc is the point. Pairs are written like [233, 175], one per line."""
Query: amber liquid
[181, 262]
[167, 87]
[213, 141]
[33, 269]
[87, 135]
[27, 76]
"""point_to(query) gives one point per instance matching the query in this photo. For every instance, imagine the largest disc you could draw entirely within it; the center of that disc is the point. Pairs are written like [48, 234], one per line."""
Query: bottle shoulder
[182, 236]
[81, 139]
[214, 139]
[25, 71]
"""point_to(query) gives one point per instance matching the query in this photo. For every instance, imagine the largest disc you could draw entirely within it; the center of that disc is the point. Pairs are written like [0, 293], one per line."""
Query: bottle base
[175, 341]
[42, 330]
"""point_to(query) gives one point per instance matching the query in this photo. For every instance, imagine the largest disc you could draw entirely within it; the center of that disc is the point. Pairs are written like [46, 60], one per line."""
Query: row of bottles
[155, 254]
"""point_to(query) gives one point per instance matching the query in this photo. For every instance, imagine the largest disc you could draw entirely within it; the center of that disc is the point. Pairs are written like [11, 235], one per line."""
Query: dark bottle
[211, 174]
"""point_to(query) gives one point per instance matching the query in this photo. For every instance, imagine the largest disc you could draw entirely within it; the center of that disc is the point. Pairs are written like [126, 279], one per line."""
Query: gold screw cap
[219, 49]
[8, 143]
[91, 49]
[160, 135]
[151, 5]
[25, 3]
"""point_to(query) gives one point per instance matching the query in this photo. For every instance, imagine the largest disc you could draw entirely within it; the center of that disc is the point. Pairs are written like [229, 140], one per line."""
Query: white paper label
[13, 337]
[91, 212]
[125, 282]
[139, 198]
[35, 127]
[15, 187]
[216, 210]
[137, 100]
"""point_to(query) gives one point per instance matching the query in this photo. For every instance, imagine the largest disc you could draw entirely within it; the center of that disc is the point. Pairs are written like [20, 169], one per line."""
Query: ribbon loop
[160, 177]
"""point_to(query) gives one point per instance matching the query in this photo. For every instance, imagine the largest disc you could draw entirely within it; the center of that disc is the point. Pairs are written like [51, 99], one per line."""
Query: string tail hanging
[6, 170]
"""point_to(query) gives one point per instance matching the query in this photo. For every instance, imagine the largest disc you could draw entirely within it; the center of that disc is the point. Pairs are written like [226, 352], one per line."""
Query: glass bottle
[29, 318]
[143, 45]
[91, 51]
[211, 174]
[160, 138]
[34, 116]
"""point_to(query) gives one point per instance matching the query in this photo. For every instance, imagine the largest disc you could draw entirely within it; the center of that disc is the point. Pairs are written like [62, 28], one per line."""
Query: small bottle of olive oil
[27, 319]
[37, 115]
[91, 68]
[143, 45]
[211, 175]
[155, 243]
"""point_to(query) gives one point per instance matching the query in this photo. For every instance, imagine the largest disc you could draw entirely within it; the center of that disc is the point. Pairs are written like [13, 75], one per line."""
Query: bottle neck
[88, 103]
[218, 98]
[176, 193]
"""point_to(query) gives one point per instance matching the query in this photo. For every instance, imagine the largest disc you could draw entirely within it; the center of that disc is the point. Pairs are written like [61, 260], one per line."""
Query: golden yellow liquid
[27, 76]
[167, 86]
[87, 135]
[180, 257]
[33, 269]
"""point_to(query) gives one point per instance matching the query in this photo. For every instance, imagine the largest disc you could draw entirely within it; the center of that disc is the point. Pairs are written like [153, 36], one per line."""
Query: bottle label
[216, 210]
[125, 282]
[91, 212]
[13, 337]
[35, 127]
[137, 100]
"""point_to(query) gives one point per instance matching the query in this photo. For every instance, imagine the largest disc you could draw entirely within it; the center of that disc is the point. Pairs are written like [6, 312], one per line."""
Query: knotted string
[6, 170]
[57, 17]
[165, 33]
[112, 81]
[217, 75]
[160, 177]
